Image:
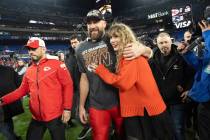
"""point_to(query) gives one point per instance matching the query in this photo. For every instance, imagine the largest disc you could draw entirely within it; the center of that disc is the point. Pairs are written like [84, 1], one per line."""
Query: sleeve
[124, 79]
[192, 60]
[16, 79]
[206, 36]
[67, 85]
[70, 63]
[18, 93]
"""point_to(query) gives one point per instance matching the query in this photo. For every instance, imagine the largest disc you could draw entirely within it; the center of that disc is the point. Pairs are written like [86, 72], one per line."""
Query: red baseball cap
[35, 42]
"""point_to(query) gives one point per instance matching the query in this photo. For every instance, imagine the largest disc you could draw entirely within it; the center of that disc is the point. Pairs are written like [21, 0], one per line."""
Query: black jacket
[169, 72]
[8, 83]
[72, 66]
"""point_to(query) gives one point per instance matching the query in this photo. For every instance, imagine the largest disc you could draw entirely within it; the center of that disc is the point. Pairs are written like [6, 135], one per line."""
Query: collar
[43, 60]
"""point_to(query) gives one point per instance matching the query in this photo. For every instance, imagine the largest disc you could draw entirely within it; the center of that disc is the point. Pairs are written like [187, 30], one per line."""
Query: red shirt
[50, 89]
[137, 87]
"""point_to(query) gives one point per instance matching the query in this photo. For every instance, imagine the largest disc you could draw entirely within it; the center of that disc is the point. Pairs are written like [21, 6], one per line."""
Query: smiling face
[96, 29]
[120, 35]
[115, 42]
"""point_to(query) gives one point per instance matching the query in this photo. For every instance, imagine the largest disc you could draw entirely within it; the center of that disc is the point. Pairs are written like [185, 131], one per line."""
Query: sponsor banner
[182, 16]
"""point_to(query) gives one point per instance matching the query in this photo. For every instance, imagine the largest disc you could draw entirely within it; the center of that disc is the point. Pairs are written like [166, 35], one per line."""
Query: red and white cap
[35, 42]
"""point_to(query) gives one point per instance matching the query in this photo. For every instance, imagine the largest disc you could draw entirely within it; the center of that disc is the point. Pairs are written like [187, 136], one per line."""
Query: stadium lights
[41, 22]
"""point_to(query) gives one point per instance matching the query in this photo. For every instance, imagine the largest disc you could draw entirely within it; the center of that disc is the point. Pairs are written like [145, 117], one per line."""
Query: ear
[44, 49]
[170, 41]
[104, 24]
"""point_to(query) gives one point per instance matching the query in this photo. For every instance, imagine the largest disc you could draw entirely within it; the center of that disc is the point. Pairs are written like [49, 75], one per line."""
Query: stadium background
[56, 20]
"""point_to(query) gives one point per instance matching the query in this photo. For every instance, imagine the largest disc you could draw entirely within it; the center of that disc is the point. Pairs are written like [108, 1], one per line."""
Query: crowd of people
[111, 81]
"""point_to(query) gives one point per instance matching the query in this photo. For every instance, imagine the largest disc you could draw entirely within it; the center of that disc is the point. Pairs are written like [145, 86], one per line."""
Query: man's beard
[165, 51]
[96, 36]
[35, 59]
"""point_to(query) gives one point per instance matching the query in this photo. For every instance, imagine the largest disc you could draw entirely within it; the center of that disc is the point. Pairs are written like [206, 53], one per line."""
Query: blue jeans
[178, 115]
[7, 129]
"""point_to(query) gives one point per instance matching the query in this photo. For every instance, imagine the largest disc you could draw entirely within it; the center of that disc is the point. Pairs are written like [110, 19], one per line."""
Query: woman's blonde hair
[126, 36]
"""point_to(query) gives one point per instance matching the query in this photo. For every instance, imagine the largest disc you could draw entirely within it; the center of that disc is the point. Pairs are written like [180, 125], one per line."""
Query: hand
[179, 88]
[134, 50]
[182, 48]
[93, 67]
[131, 51]
[204, 26]
[184, 96]
[83, 115]
[66, 116]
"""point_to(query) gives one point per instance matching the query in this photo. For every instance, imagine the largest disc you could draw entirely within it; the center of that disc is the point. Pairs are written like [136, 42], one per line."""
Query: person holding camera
[200, 91]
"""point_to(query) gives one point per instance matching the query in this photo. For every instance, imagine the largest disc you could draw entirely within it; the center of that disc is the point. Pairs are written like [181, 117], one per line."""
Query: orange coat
[137, 87]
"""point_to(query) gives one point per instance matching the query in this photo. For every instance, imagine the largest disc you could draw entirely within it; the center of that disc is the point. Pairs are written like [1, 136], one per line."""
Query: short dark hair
[189, 30]
[74, 36]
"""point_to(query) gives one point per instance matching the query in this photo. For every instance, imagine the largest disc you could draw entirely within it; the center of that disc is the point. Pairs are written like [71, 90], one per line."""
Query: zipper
[37, 84]
[162, 74]
[170, 66]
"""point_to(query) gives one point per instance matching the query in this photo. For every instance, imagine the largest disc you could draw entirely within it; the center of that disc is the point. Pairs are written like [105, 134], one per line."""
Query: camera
[197, 46]
[207, 14]
[196, 43]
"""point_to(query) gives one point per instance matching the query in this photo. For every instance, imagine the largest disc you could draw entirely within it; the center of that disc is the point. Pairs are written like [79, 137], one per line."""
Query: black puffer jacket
[169, 72]
[8, 83]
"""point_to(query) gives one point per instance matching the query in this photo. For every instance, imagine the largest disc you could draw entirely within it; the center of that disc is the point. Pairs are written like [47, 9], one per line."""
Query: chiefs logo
[47, 68]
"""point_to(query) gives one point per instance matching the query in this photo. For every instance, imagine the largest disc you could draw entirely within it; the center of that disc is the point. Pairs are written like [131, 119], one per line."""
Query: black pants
[7, 129]
[204, 121]
[149, 128]
[37, 129]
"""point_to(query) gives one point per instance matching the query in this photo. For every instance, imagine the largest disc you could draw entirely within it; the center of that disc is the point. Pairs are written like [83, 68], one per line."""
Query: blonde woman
[141, 104]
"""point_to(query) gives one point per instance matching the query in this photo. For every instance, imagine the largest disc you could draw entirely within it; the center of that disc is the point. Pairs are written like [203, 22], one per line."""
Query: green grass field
[21, 124]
